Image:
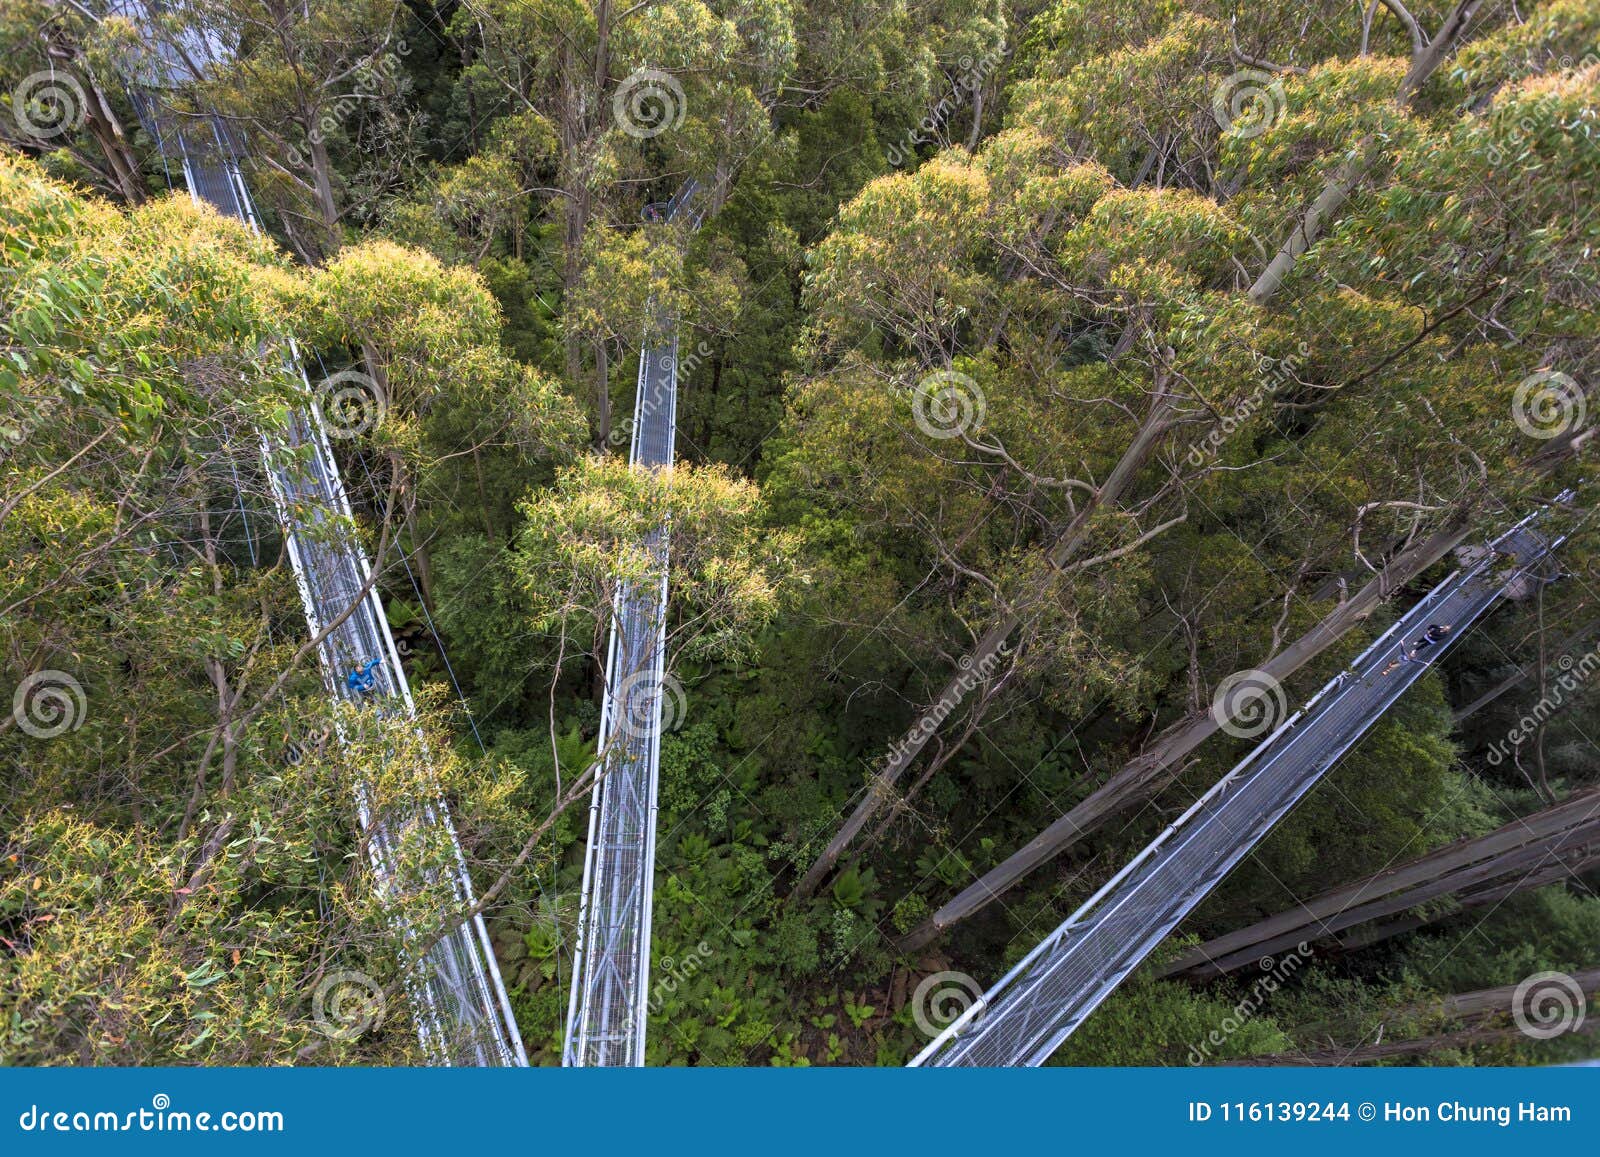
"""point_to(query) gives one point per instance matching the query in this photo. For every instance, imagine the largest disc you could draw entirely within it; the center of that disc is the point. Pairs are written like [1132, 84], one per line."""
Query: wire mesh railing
[1026, 1016]
[461, 1008]
[607, 1010]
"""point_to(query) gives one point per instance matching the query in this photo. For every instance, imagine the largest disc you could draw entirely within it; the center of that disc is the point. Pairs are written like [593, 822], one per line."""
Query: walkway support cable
[1024, 1017]
[461, 1009]
[607, 1010]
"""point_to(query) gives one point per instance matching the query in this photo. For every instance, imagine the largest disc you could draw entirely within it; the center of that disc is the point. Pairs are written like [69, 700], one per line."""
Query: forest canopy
[1041, 368]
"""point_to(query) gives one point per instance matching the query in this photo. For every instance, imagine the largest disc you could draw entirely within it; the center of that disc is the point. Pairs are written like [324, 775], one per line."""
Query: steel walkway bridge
[1038, 1004]
[608, 1008]
[462, 1013]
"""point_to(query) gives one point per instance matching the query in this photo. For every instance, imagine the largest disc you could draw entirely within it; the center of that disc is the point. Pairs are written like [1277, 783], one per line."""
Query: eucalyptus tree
[1005, 276]
[169, 753]
[631, 92]
[62, 99]
[315, 93]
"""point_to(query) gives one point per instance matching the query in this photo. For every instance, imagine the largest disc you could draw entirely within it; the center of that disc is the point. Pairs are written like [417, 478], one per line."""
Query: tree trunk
[602, 394]
[1160, 762]
[575, 187]
[1351, 171]
[1390, 1050]
[1480, 1010]
[1355, 167]
[322, 179]
[1549, 844]
[1157, 422]
[107, 131]
[1521, 675]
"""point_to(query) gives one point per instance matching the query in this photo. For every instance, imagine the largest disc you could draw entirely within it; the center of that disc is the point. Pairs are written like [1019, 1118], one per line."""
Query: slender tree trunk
[602, 394]
[1549, 866]
[1483, 1011]
[100, 120]
[107, 131]
[322, 181]
[1350, 173]
[1489, 1001]
[1161, 761]
[1355, 167]
[1392, 1050]
[575, 187]
[993, 643]
[483, 496]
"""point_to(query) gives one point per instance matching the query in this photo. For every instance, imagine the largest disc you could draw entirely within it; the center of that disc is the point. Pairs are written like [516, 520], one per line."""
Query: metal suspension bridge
[461, 1009]
[1026, 1015]
[607, 1012]
[463, 1014]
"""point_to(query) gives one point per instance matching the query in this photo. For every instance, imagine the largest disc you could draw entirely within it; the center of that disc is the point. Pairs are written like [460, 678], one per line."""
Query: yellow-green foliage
[587, 536]
[901, 256]
[1115, 107]
[1558, 34]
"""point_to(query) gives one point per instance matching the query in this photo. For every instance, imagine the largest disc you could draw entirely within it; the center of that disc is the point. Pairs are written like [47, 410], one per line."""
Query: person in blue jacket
[361, 679]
